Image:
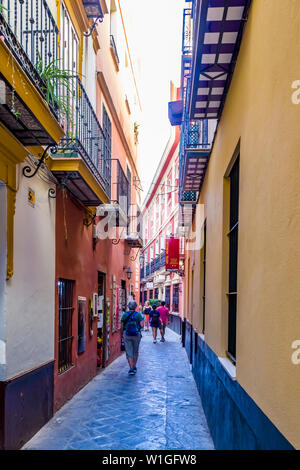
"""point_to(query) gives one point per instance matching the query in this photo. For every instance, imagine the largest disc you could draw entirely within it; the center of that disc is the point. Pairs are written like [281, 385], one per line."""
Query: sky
[155, 35]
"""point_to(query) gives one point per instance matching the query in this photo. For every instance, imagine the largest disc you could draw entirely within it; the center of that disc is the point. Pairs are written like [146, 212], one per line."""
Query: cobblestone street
[158, 408]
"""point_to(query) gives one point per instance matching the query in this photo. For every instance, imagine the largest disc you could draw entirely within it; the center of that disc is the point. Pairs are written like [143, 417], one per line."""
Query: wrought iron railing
[114, 48]
[84, 135]
[147, 269]
[30, 32]
[142, 273]
[162, 261]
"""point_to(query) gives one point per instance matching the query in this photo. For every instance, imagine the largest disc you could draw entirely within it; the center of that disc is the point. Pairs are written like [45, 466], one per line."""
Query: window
[175, 298]
[167, 297]
[233, 258]
[65, 313]
[203, 277]
[106, 126]
[151, 294]
[156, 293]
[69, 56]
[81, 324]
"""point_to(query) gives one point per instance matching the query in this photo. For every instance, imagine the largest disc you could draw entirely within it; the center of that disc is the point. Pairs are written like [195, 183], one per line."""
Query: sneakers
[162, 340]
[131, 372]
[134, 370]
[154, 341]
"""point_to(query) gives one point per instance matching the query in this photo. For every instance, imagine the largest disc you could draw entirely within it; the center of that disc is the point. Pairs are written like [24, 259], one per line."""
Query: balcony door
[69, 61]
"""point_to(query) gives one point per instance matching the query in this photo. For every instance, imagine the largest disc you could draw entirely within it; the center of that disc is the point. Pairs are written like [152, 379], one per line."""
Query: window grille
[176, 298]
[65, 312]
[233, 259]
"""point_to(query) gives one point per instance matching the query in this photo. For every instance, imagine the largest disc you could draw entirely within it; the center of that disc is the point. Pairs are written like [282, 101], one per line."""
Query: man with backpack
[132, 322]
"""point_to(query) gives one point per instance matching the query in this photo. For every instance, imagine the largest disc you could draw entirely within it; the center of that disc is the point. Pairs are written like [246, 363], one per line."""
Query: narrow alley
[158, 408]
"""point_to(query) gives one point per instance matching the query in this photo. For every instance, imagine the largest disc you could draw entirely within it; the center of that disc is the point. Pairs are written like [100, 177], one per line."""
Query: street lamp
[129, 272]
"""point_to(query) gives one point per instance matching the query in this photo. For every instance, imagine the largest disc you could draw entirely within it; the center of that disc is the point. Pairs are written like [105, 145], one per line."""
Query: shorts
[155, 325]
[132, 345]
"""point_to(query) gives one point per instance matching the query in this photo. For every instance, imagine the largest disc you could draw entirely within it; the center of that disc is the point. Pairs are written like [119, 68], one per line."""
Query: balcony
[28, 43]
[82, 161]
[195, 146]
[118, 206]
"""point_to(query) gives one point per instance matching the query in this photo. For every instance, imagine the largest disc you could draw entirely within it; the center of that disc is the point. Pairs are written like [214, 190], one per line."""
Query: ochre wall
[259, 112]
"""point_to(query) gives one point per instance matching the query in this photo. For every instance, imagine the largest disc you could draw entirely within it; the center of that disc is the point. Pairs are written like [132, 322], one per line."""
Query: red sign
[172, 254]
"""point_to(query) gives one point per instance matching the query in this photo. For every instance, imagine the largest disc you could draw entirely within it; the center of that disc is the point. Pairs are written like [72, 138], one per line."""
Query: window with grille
[156, 293]
[167, 297]
[203, 277]
[175, 298]
[65, 313]
[106, 127]
[233, 258]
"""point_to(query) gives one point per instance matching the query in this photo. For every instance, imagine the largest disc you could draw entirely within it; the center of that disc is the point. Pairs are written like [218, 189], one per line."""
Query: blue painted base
[234, 419]
[26, 404]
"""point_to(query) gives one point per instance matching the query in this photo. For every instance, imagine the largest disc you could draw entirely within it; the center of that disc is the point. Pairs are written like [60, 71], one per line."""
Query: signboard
[149, 285]
[172, 254]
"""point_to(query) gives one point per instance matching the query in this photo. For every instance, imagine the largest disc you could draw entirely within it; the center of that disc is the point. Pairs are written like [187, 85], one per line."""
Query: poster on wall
[81, 324]
[172, 254]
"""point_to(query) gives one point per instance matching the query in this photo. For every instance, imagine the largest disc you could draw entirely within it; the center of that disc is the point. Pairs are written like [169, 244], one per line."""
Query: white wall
[3, 252]
[31, 290]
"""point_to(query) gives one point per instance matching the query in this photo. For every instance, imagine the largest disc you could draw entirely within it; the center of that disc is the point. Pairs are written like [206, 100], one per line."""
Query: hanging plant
[2, 8]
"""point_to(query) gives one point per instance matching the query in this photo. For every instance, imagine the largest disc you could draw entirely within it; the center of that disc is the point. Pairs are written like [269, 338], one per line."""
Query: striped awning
[219, 29]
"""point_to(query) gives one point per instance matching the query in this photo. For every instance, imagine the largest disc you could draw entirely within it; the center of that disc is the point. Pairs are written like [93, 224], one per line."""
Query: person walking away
[146, 312]
[154, 321]
[131, 324]
[164, 319]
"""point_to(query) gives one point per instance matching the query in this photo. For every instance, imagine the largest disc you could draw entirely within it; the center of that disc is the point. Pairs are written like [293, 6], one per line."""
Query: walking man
[132, 322]
[164, 319]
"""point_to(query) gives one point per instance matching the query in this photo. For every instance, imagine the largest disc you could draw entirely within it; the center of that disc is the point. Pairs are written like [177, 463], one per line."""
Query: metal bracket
[27, 169]
[98, 19]
[115, 241]
[53, 194]
[133, 258]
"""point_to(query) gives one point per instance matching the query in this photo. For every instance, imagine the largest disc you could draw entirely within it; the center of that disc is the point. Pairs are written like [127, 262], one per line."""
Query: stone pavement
[157, 409]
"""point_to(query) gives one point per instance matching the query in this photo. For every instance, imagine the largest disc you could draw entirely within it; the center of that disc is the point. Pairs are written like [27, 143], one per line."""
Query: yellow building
[242, 278]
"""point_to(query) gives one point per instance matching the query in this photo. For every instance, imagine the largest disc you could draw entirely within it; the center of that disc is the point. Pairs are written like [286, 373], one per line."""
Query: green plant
[136, 130]
[2, 8]
[15, 113]
[56, 79]
[154, 302]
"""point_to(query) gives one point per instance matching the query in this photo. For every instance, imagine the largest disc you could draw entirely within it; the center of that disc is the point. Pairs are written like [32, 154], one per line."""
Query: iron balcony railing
[142, 273]
[84, 136]
[31, 34]
[155, 265]
[114, 48]
[147, 269]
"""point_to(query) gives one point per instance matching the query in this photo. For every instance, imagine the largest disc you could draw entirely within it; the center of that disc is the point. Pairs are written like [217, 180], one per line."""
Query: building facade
[160, 221]
[242, 281]
[68, 122]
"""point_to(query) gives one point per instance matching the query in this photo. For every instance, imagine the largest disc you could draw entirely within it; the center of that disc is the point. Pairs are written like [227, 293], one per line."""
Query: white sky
[156, 38]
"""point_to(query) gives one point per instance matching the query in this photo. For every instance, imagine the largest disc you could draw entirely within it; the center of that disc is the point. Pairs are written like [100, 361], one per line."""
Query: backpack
[131, 326]
[155, 317]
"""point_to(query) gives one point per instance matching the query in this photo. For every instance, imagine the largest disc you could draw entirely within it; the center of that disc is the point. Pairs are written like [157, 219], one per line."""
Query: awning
[219, 29]
[175, 112]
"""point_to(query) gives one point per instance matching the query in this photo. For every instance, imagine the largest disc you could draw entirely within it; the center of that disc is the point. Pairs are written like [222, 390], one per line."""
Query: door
[101, 326]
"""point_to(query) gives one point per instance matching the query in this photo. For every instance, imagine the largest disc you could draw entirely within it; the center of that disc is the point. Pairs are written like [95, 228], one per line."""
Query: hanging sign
[172, 254]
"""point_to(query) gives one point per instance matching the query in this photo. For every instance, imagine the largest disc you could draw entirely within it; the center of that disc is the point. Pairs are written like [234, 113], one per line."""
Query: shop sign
[172, 254]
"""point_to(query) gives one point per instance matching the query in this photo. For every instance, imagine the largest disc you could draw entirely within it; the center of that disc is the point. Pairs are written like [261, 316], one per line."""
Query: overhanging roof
[219, 29]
